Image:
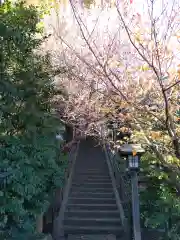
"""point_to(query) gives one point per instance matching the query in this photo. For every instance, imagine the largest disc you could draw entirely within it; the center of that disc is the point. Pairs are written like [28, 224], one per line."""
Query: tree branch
[171, 86]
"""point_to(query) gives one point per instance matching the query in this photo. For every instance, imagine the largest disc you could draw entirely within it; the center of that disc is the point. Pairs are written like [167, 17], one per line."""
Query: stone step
[91, 179]
[84, 181]
[77, 189]
[91, 171]
[93, 184]
[92, 194]
[83, 206]
[96, 176]
[89, 200]
[104, 174]
[117, 230]
[92, 166]
[92, 174]
[93, 213]
[75, 221]
[91, 237]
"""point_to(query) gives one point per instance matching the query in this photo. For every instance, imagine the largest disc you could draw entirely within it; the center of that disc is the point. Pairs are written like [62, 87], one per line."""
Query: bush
[29, 149]
[160, 204]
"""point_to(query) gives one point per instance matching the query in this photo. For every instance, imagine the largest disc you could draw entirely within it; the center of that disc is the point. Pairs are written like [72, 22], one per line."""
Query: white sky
[141, 5]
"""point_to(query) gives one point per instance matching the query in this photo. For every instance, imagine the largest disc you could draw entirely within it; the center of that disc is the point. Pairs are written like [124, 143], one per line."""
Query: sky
[141, 5]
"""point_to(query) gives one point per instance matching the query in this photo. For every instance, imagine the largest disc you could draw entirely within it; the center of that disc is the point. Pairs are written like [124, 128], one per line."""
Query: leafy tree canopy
[27, 124]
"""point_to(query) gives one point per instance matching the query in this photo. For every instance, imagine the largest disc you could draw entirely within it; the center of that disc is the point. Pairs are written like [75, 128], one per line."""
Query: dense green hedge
[27, 125]
[160, 204]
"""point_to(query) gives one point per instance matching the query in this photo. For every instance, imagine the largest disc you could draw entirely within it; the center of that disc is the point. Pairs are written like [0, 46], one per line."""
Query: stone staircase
[91, 211]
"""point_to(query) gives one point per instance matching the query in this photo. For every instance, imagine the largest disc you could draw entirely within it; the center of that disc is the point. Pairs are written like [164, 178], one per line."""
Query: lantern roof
[131, 149]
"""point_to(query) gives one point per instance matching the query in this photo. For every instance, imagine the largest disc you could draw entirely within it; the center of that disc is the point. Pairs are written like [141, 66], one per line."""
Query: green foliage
[160, 206]
[88, 3]
[28, 127]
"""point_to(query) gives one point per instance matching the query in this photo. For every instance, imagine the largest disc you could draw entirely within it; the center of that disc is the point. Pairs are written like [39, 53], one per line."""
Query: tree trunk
[176, 148]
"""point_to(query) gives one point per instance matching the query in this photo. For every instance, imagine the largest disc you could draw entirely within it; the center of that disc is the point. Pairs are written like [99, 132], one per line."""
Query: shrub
[27, 124]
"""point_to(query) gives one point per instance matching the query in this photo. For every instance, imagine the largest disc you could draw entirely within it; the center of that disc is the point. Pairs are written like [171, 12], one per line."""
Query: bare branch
[173, 85]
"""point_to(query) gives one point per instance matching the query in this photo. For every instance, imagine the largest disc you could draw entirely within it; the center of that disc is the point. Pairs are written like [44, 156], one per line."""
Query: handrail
[121, 176]
[60, 192]
[58, 223]
[118, 175]
[115, 188]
